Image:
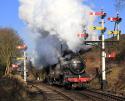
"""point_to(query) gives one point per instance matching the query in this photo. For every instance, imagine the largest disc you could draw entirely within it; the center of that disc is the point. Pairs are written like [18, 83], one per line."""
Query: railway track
[53, 93]
[101, 96]
[93, 95]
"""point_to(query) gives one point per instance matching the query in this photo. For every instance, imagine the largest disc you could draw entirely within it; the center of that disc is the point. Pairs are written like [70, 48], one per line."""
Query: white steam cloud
[53, 22]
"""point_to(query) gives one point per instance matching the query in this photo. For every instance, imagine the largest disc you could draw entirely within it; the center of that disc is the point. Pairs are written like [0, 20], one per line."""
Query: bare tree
[8, 42]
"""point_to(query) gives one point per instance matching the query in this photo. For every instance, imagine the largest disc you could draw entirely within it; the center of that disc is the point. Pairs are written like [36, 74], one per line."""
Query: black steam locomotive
[69, 72]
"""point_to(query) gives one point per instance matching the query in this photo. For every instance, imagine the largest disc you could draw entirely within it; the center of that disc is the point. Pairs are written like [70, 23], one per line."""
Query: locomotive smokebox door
[77, 66]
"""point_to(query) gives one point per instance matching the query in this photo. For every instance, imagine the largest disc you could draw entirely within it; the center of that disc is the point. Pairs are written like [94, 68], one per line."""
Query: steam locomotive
[69, 72]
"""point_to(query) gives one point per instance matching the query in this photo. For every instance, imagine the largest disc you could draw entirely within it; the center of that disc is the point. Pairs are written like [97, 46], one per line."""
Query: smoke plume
[54, 22]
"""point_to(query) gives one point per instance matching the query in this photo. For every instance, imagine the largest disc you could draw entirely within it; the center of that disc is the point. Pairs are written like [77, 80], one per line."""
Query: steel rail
[54, 92]
[104, 96]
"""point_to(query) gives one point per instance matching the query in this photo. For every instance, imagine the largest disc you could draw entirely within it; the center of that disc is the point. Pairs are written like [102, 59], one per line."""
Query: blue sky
[110, 9]
[9, 18]
[9, 15]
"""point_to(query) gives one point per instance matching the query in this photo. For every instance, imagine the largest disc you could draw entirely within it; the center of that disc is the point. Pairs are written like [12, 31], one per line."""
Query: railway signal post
[116, 20]
[23, 47]
[25, 75]
[116, 32]
[101, 28]
[103, 55]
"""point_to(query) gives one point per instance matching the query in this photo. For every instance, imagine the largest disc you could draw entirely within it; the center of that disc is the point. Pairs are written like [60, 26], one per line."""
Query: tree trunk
[7, 71]
[8, 67]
